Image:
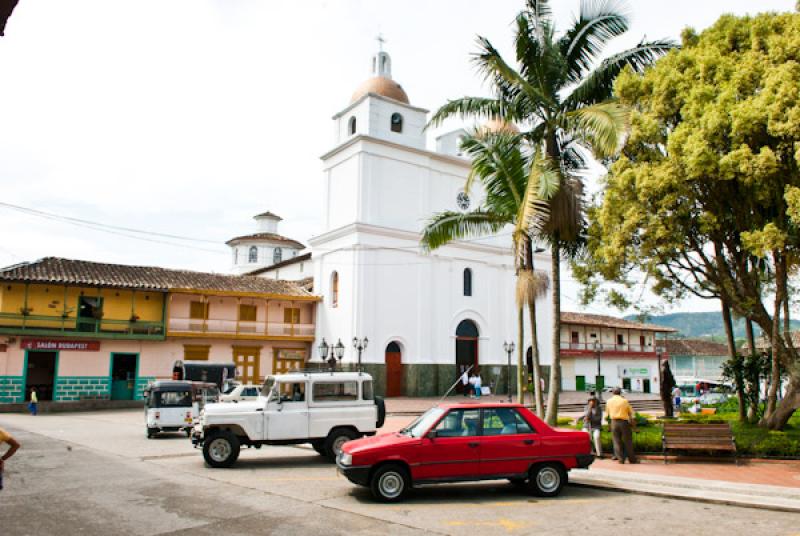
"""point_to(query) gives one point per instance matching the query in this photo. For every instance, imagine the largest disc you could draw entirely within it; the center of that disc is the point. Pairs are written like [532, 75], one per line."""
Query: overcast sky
[187, 117]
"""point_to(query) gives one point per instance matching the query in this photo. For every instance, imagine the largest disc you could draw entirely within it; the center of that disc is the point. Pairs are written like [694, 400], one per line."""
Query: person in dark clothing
[666, 388]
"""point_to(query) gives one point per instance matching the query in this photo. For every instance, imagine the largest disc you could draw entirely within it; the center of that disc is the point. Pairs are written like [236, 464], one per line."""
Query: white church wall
[343, 195]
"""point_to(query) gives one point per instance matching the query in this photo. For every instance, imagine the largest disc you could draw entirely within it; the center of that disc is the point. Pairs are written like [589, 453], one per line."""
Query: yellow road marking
[507, 524]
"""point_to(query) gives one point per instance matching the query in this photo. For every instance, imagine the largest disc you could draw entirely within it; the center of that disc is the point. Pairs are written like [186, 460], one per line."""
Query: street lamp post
[360, 346]
[336, 352]
[509, 348]
[598, 350]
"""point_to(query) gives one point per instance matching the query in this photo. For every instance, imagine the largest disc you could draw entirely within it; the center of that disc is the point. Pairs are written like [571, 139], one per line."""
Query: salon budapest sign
[59, 344]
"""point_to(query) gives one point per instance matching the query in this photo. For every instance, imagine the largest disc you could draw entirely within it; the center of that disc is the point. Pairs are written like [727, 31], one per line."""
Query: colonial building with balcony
[79, 330]
[628, 353]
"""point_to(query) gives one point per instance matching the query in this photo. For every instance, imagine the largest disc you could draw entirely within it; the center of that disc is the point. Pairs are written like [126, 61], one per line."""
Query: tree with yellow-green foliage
[705, 198]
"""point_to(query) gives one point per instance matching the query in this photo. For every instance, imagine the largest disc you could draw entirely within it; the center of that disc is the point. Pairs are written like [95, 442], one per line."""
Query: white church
[427, 315]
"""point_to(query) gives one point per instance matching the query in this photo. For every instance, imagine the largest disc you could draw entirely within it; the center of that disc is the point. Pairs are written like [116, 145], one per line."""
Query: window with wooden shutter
[247, 313]
[195, 352]
[291, 315]
[198, 310]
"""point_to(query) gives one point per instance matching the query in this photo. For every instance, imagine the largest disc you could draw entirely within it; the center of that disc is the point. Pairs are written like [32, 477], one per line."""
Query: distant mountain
[700, 325]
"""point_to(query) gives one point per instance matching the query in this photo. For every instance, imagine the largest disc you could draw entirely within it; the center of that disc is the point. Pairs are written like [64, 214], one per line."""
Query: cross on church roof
[381, 40]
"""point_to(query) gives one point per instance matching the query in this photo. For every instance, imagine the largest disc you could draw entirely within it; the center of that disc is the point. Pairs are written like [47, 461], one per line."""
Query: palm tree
[504, 168]
[562, 94]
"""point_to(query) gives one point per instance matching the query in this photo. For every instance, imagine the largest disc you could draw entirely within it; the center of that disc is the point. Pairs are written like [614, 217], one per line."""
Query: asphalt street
[96, 473]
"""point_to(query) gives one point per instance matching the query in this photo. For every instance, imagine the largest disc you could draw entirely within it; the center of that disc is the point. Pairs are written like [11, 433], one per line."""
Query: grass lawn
[751, 440]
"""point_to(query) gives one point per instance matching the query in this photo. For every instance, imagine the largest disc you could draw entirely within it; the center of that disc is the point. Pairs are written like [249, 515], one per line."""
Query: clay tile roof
[764, 343]
[265, 237]
[268, 214]
[694, 347]
[610, 322]
[56, 270]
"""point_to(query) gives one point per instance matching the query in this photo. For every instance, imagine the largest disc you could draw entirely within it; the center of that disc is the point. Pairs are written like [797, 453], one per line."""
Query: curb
[696, 494]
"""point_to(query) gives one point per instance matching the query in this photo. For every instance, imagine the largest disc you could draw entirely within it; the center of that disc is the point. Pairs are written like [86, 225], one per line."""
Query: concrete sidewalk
[756, 484]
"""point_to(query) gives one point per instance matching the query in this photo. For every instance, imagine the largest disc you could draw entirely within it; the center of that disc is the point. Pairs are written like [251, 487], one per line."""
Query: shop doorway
[123, 376]
[626, 384]
[40, 373]
[466, 349]
[646, 385]
[580, 383]
[394, 370]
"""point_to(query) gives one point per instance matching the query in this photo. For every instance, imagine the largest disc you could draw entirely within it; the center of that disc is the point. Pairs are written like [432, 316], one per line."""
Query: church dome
[380, 85]
[496, 126]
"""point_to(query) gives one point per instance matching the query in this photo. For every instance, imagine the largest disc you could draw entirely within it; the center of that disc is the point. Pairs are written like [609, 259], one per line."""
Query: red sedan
[467, 442]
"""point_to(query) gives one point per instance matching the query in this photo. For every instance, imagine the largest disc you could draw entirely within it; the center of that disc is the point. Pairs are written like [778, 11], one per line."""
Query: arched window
[397, 122]
[393, 347]
[351, 126]
[467, 282]
[335, 289]
[252, 256]
[277, 255]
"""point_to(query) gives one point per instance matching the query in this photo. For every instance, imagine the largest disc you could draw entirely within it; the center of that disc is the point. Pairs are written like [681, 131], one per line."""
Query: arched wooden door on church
[466, 349]
[394, 370]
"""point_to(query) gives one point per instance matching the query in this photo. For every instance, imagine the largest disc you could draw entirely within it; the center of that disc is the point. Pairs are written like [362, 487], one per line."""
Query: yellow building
[77, 330]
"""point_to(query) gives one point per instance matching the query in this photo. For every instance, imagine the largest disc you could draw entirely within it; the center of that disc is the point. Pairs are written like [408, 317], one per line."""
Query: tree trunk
[555, 368]
[537, 371]
[783, 412]
[775, 378]
[728, 323]
[751, 409]
[520, 353]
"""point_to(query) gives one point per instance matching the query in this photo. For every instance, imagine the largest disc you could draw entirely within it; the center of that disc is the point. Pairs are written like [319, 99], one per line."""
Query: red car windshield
[423, 423]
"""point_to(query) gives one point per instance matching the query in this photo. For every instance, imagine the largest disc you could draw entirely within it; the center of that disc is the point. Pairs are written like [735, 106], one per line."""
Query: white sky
[188, 117]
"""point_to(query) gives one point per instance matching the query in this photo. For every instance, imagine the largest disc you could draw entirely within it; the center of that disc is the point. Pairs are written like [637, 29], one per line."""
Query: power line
[70, 219]
[113, 229]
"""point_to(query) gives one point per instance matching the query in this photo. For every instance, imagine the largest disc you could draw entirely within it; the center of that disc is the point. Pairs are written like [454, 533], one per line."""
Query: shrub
[565, 421]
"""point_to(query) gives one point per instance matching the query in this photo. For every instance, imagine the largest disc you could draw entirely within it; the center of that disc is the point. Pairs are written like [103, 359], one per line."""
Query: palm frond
[601, 127]
[478, 107]
[498, 162]
[508, 83]
[544, 181]
[531, 285]
[598, 86]
[540, 15]
[599, 22]
[446, 227]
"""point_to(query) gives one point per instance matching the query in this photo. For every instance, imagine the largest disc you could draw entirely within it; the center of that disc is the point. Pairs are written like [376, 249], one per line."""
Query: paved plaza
[89, 473]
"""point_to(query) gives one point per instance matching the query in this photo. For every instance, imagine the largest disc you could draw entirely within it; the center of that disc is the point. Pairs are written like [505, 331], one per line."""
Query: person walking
[465, 382]
[478, 385]
[622, 418]
[33, 405]
[13, 446]
[471, 382]
[676, 398]
[593, 423]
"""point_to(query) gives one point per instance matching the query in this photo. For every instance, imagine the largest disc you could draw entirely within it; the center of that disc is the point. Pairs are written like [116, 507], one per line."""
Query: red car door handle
[528, 441]
[473, 444]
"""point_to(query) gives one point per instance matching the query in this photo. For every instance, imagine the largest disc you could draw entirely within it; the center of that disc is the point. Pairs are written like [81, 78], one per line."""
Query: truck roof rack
[318, 371]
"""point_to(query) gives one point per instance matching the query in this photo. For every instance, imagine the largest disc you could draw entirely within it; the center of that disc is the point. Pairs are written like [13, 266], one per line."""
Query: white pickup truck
[326, 409]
